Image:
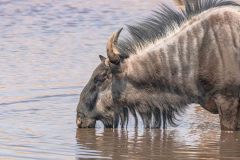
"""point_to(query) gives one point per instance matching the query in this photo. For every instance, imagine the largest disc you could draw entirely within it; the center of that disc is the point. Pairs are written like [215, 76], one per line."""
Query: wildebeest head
[98, 96]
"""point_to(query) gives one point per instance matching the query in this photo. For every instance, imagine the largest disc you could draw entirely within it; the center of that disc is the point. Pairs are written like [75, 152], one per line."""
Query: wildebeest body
[195, 62]
[201, 61]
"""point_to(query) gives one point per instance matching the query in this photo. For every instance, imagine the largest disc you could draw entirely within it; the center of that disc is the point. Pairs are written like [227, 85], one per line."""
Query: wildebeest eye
[99, 78]
[81, 115]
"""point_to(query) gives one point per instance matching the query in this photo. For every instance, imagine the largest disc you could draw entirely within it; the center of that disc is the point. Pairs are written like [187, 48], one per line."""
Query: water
[48, 50]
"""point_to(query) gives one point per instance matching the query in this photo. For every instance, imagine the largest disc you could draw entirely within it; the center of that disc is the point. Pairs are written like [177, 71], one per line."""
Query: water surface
[48, 50]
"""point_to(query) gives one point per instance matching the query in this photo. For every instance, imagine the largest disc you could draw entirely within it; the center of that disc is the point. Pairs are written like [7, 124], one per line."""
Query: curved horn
[112, 50]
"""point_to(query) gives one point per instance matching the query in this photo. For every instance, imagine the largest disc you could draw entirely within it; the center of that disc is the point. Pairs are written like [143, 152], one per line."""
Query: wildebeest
[170, 60]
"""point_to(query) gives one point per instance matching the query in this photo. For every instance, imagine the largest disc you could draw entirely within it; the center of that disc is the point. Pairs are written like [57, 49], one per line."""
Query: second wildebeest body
[195, 62]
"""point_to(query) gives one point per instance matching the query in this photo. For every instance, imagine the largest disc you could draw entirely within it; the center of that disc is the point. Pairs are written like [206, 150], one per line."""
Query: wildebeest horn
[112, 50]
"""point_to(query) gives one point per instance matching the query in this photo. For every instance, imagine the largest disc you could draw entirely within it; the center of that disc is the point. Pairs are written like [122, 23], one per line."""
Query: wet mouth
[85, 123]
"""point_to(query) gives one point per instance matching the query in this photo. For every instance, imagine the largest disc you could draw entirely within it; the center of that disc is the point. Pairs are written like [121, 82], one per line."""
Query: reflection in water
[155, 144]
[230, 145]
[119, 144]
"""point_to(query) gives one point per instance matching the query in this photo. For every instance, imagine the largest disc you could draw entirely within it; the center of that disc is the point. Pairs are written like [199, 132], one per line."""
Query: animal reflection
[155, 144]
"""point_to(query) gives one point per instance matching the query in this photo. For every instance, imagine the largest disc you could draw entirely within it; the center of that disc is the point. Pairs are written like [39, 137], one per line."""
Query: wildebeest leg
[211, 106]
[228, 108]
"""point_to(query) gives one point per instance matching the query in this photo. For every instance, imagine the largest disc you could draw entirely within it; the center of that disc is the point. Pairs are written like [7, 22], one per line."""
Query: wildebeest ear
[102, 58]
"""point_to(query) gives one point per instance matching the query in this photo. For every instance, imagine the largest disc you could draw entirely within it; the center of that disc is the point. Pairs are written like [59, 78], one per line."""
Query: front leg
[211, 106]
[228, 109]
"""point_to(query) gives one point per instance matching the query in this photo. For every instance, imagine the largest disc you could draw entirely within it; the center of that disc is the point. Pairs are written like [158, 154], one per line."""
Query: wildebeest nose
[78, 122]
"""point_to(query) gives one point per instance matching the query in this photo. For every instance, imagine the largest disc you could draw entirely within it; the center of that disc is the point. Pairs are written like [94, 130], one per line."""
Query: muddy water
[48, 50]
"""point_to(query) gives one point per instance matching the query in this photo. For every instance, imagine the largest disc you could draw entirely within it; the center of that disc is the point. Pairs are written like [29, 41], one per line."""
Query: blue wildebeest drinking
[170, 60]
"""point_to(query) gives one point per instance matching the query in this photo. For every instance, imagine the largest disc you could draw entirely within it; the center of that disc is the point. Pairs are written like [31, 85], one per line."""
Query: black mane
[163, 20]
